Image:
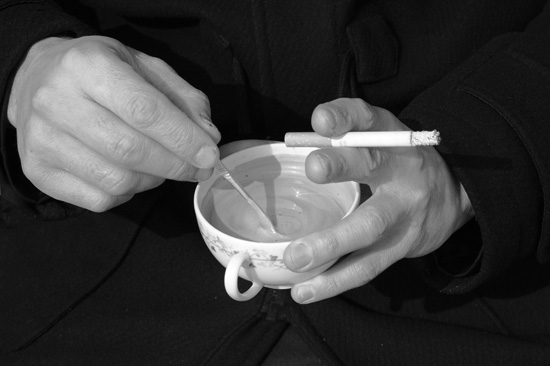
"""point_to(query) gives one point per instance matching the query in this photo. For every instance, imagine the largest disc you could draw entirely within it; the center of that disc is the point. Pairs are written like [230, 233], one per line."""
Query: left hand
[416, 203]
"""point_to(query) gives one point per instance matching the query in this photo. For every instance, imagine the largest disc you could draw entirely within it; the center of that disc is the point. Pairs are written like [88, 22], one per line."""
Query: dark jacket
[477, 71]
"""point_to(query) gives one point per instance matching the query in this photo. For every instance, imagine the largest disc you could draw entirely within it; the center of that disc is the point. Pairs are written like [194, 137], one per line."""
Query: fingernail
[318, 168]
[206, 157]
[300, 255]
[324, 161]
[304, 294]
[329, 119]
[202, 174]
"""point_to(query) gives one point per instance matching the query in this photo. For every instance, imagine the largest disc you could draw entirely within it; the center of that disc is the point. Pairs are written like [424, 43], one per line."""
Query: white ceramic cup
[262, 262]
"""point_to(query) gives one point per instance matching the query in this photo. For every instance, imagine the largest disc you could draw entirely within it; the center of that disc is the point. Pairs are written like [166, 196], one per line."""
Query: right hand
[98, 122]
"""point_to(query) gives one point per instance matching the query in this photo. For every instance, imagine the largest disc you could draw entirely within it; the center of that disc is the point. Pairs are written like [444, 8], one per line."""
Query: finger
[362, 229]
[344, 164]
[119, 88]
[66, 187]
[354, 271]
[65, 153]
[192, 101]
[342, 115]
[107, 177]
[103, 132]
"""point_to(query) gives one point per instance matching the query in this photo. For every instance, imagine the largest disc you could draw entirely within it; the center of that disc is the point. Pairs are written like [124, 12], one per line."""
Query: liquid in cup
[274, 175]
[295, 205]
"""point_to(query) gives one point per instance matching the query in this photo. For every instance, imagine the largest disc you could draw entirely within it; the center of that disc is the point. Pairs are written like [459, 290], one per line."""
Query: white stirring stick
[264, 219]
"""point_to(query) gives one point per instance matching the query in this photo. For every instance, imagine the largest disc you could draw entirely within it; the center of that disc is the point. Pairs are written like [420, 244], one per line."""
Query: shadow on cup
[274, 175]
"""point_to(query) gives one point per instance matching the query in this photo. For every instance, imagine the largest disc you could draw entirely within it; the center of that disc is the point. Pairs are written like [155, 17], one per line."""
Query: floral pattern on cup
[258, 258]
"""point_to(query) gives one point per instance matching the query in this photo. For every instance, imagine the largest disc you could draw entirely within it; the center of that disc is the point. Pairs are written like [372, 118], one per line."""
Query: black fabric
[485, 172]
[136, 285]
[19, 33]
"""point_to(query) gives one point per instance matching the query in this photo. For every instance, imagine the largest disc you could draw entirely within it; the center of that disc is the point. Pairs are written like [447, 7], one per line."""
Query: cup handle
[232, 275]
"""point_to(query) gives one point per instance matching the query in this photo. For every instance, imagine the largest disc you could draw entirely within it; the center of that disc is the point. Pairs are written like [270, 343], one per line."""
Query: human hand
[98, 122]
[416, 203]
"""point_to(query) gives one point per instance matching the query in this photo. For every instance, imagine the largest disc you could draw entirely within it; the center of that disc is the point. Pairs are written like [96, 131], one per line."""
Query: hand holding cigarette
[364, 139]
[416, 201]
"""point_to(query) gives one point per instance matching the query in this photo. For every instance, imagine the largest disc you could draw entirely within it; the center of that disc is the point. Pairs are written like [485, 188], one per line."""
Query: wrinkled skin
[98, 122]
[416, 203]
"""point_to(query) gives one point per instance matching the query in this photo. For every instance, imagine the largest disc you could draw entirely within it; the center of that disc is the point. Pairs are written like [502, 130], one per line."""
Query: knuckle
[369, 112]
[341, 110]
[99, 202]
[79, 55]
[376, 222]
[421, 198]
[43, 98]
[89, 51]
[142, 109]
[331, 242]
[126, 149]
[362, 273]
[73, 57]
[373, 159]
[113, 181]
[39, 139]
[332, 285]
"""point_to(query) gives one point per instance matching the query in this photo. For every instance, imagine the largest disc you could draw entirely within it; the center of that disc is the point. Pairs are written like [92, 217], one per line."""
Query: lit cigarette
[364, 139]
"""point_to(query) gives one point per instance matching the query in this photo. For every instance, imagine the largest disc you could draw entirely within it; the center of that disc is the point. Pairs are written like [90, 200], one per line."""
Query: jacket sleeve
[23, 23]
[493, 113]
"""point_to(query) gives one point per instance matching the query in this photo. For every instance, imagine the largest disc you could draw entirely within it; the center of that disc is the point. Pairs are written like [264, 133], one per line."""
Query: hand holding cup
[416, 203]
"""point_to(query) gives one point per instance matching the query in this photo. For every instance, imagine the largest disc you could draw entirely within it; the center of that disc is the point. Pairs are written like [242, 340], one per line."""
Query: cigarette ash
[425, 138]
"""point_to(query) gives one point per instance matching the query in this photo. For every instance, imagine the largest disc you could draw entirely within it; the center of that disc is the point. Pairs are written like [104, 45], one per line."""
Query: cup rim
[257, 152]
